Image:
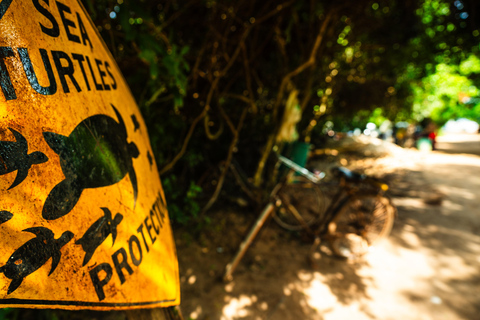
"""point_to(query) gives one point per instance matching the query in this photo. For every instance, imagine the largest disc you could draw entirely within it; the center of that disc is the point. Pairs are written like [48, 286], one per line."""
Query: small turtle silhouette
[150, 159]
[96, 154]
[34, 254]
[136, 125]
[98, 232]
[14, 156]
[4, 7]
[5, 216]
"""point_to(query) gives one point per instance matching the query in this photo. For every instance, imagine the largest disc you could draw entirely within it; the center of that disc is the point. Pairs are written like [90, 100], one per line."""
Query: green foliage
[19, 314]
[183, 205]
[449, 92]
[195, 66]
[8, 314]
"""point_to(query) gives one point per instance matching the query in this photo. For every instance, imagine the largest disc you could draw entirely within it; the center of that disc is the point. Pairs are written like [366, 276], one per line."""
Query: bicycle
[358, 215]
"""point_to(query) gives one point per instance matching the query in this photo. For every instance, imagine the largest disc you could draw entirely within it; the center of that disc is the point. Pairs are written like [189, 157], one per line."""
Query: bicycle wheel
[362, 221]
[301, 203]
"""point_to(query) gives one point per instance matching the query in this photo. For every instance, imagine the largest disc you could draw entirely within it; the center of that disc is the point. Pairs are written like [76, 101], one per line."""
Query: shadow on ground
[438, 217]
[428, 268]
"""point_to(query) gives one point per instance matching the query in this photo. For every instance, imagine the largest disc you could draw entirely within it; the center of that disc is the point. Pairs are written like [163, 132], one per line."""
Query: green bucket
[296, 151]
[424, 144]
[299, 153]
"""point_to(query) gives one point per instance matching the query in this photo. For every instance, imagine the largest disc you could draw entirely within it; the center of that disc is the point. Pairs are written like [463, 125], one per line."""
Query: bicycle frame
[265, 214]
[347, 190]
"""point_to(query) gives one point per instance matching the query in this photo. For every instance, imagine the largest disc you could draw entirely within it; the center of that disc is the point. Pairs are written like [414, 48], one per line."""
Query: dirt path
[427, 269]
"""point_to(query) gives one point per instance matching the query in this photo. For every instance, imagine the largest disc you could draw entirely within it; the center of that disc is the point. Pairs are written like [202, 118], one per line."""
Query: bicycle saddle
[348, 174]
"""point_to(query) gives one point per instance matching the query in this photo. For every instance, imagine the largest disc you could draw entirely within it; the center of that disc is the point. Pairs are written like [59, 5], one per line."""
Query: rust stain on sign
[82, 215]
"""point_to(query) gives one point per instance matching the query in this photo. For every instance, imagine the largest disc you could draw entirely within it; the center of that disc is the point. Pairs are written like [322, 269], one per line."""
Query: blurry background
[214, 78]
[389, 88]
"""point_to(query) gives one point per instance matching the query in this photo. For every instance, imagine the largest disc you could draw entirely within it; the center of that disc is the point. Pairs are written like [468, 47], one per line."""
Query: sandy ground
[427, 269]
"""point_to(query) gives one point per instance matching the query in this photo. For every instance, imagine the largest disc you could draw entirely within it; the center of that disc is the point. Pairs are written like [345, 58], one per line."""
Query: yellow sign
[83, 220]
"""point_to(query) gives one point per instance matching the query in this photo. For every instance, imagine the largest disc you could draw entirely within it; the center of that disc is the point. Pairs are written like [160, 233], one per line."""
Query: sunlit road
[459, 143]
[454, 247]
[429, 268]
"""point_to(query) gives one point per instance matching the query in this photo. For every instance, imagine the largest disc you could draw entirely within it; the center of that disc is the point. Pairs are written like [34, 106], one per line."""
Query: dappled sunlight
[426, 269]
[409, 202]
[443, 159]
[451, 206]
[463, 193]
[318, 294]
[237, 307]
[196, 314]
[320, 297]
[455, 138]
[411, 238]
[432, 258]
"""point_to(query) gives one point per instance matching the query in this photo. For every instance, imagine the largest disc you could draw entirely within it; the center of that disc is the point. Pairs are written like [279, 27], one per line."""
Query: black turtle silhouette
[98, 232]
[5, 216]
[96, 154]
[4, 7]
[150, 159]
[34, 254]
[136, 125]
[14, 156]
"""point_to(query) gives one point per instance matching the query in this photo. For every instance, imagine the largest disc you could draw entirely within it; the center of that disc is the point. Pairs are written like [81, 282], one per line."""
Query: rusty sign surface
[83, 220]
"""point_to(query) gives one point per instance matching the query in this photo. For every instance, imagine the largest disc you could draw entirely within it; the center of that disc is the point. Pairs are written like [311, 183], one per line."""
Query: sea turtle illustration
[98, 232]
[14, 156]
[5, 216]
[34, 254]
[96, 154]
[4, 7]
[150, 159]
[136, 124]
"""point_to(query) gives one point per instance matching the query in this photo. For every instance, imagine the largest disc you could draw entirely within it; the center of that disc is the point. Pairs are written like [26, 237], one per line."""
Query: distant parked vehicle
[461, 125]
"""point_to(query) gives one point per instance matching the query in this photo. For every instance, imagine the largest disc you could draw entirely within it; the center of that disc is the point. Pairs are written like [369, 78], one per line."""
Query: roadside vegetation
[218, 80]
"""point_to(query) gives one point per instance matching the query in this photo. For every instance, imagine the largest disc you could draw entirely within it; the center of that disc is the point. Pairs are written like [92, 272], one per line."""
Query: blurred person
[429, 131]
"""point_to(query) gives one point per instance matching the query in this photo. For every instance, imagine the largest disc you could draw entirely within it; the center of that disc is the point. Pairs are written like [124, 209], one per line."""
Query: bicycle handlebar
[303, 171]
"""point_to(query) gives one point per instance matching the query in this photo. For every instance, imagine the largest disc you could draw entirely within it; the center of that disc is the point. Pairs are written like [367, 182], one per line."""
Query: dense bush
[216, 78]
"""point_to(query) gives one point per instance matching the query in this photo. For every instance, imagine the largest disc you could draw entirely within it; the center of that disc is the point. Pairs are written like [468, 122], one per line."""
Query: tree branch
[236, 134]
[248, 79]
[311, 61]
[213, 87]
[283, 86]
[170, 165]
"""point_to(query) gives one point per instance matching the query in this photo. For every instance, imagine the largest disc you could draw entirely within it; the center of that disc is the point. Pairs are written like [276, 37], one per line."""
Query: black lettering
[121, 265]
[162, 214]
[99, 284]
[140, 229]
[102, 74]
[80, 60]
[161, 202]
[97, 85]
[5, 81]
[65, 71]
[114, 84]
[83, 32]
[134, 239]
[32, 77]
[156, 210]
[54, 31]
[157, 229]
[149, 227]
[159, 211]
[66, 22]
